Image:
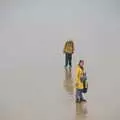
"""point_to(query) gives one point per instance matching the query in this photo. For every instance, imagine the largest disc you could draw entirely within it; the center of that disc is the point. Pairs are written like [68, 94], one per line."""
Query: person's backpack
[85, 86]
[85, 83]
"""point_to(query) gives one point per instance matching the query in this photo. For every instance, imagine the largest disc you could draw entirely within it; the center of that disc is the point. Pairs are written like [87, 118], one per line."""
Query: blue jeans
[79, 94]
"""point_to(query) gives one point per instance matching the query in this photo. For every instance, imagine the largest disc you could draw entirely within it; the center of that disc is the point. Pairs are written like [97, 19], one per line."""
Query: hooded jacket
[79, 75]
[69, 47]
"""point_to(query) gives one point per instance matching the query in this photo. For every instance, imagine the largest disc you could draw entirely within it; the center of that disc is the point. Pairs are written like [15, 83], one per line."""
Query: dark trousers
[68, 59]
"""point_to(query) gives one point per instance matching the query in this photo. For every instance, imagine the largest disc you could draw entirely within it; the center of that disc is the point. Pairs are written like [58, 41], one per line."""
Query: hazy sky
[36, 30]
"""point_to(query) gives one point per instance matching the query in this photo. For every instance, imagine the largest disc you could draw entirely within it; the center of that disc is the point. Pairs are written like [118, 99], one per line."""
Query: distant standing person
[68, 51]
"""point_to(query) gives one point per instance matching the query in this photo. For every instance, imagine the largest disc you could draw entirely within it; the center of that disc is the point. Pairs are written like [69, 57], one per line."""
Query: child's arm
[77, 79]
[73, 48]
[64, 47]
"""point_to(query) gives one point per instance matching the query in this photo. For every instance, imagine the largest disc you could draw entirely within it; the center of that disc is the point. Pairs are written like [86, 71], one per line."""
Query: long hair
[79, 64]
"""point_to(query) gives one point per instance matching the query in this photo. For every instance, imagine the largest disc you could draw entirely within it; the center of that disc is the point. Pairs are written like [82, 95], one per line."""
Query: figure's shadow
[68, 82]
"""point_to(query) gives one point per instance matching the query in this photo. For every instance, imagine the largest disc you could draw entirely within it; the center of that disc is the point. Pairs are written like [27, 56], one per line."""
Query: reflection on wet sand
[68, 82]
[81, 111]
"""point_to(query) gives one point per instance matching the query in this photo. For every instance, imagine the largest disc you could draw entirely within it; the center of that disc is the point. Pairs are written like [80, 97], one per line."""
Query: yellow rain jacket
[79, 74]
[69, 47]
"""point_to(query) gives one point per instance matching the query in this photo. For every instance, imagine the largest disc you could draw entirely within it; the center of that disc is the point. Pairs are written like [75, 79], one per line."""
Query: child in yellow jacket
[80, 82]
